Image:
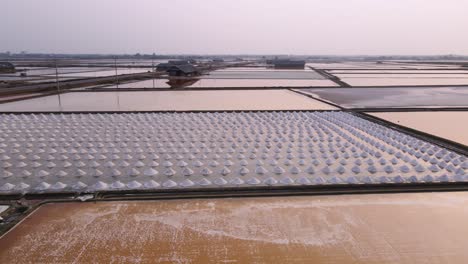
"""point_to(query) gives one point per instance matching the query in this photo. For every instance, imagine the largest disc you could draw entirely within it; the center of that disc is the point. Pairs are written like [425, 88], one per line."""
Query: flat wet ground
[17, 78]
[168, 100]
[47, 74]
[374, 228]
[104, 73]
[394, 97]
[18, 96]
[449, 124]
[34, 71]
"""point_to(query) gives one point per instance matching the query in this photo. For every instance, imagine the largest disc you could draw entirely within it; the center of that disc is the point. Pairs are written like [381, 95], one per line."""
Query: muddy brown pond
[375, 228]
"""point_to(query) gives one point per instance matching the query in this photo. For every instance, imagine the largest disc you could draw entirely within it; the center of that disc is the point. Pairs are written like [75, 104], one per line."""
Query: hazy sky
[235, 26]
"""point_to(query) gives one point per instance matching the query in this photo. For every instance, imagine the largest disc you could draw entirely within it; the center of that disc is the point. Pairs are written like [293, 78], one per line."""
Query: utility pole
[152, 62]
[57, 84]
[117, 80]
[116, 76]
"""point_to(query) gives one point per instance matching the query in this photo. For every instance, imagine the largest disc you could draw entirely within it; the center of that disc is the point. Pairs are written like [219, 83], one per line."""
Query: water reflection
[215, 83]
[168, 100]
[394, 97]
[181, 82]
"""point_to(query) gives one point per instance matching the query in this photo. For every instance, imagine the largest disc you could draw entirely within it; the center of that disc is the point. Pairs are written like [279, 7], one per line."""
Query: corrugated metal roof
[186, 68]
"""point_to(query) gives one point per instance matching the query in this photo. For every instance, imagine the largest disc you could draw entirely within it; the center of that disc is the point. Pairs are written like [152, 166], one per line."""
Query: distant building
[179, 62]
[287, 63]
[7, 67]
[163, 66]
[169, 64]
[182, 70]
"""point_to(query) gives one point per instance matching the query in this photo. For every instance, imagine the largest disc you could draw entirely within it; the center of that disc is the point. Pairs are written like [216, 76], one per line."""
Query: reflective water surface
[220, 83]
[450, 125]
[394, 97]
[168, 100]
[399, 81]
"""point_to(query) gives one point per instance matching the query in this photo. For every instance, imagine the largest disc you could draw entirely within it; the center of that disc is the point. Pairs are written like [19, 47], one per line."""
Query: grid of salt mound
[132, 151]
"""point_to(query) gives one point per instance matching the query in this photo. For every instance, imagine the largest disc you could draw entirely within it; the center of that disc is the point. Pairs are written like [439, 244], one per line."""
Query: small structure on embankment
[183, 70]
[169, 64]
[6, 67]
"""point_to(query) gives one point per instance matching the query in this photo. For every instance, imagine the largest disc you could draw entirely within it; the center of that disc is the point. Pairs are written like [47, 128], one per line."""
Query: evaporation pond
[452, 125]
[373, 228]
[419, 97]
[168, 100]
